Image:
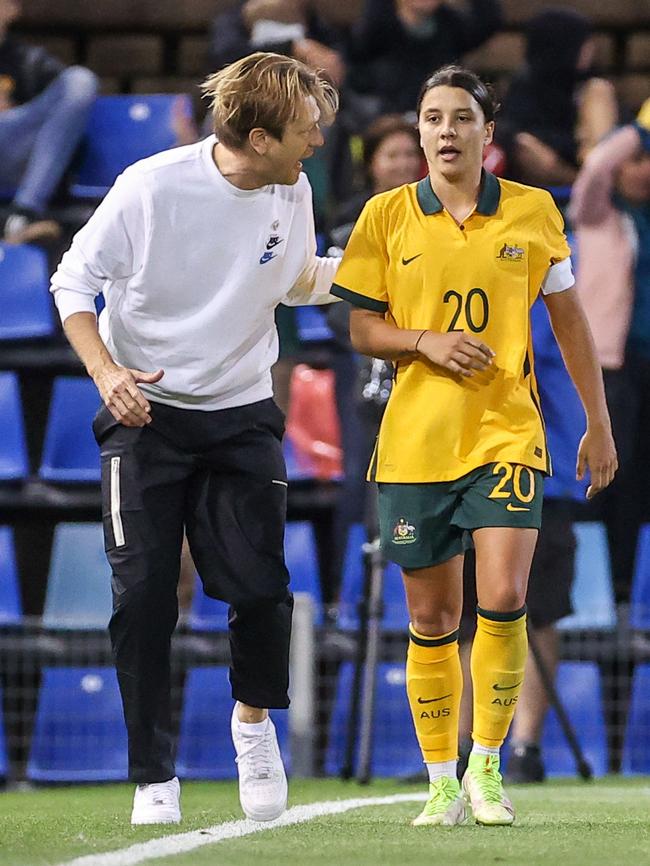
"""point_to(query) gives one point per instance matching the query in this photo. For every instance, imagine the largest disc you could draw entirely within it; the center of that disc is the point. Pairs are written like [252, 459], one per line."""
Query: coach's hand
[118, 387]
[597, 451]
[455, 351]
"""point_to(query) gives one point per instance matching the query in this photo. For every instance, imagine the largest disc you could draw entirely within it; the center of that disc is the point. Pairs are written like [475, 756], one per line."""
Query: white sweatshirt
[192, 269]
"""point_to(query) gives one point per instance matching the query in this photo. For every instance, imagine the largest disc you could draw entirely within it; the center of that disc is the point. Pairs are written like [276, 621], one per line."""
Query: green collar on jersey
[488, 200]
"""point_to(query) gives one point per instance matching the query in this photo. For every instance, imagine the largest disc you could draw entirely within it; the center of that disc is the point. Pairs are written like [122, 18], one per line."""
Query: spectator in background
[391, 157]
[555, 110]
[397, 43]
[610, 209]
[44, 107]
[294, 28]
[289, 27]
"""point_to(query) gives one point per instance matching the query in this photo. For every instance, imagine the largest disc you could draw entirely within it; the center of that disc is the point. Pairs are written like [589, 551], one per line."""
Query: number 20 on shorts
[509, 482]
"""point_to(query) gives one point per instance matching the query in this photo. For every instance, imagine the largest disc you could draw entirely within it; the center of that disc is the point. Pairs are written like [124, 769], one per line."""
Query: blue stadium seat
[312, 325]
[78, 594]
[13, 449]
[205, 749]
[70, 453]
[4, 761]
[636, 745]
[396, 616]
[352, 581]
[579, 686]
[79, 732]
[302, 561]
[395, 613]
[640, 597]
[297, 469]
[395, 751]
[27, 307]
[10, 604]
[209, 614]
[121, 130]
[592, 595]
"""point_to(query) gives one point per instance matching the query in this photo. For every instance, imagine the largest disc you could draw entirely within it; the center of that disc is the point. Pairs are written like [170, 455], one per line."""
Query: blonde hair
[264, 90]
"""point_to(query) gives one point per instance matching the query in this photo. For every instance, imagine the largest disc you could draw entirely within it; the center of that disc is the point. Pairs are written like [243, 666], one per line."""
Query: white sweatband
[559, 277]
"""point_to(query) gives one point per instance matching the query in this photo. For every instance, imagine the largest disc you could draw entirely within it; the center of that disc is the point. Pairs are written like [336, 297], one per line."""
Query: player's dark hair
[458, 76]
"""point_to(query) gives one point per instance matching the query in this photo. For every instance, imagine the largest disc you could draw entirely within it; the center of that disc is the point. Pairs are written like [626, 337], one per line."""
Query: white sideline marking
[180, 843]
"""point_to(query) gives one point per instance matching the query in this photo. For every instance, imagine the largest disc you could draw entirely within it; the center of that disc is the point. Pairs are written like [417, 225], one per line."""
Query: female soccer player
[442, 274]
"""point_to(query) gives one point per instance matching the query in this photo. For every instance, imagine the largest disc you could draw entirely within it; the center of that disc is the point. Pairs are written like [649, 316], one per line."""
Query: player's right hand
[118, 387]
[456, 351]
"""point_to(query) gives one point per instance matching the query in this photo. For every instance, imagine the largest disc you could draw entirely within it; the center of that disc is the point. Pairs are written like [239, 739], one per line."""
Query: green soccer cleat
[483, 788]
[446, 805]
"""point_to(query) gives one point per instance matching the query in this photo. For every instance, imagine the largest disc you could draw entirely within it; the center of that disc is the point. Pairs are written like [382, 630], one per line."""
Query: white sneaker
[262, 780]
[157, 803]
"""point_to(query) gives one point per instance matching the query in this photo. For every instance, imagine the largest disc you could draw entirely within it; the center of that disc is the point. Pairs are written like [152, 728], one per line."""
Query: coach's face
[453, 131]
[301, 136]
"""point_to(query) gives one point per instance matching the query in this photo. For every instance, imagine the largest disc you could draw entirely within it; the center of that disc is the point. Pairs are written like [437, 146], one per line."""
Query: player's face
[453, 132]
[301, 137]
[395, 162]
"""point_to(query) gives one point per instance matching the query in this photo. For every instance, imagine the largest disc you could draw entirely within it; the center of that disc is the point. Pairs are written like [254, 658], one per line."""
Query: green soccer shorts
[424, 524]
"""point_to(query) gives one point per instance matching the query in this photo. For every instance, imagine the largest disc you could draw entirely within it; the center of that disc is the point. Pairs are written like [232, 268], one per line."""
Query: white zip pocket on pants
[116, 517]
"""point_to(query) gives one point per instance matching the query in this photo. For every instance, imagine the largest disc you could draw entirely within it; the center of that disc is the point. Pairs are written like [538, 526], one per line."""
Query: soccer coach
[193, 249]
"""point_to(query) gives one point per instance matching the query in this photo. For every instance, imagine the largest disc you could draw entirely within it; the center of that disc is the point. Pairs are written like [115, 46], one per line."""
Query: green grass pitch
[567, 823]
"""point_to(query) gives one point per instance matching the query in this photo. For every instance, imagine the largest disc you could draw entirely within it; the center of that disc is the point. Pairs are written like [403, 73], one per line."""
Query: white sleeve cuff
[314, 284]
[68, 302]
[559, 277]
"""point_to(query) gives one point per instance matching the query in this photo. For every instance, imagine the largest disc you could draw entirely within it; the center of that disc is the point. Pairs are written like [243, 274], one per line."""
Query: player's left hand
[597, 452]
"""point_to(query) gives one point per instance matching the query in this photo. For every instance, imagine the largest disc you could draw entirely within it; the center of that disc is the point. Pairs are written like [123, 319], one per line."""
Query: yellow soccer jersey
[408, 258]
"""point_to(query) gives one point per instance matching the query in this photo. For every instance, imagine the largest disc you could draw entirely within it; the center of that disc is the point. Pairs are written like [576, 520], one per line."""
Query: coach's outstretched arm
[118, 386]
[314, 283]
[597, 450]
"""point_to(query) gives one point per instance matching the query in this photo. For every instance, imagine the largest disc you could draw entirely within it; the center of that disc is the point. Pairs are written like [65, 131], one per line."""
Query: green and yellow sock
[497, 664]
[434, 684]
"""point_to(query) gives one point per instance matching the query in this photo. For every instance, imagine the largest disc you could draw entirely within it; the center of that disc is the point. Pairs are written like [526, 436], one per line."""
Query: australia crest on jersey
[511, 253]
[404, 532]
